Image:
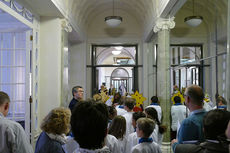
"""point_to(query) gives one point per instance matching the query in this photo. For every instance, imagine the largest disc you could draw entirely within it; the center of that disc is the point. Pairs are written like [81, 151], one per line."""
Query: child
[132, 139]
[157, 134]
[112, 113]
[117, 129]
[129, 104]
[145, 127]
[156, 104]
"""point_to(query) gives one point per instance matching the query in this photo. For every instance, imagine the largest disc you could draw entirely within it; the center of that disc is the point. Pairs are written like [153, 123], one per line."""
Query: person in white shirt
[118, 129]
[178, 114]
[145, 127]
[156, 104]
[128, 106]
[112, 113]
[118, 102]
[13, 138]
[112, 143]
[132, 139]
[157, 134]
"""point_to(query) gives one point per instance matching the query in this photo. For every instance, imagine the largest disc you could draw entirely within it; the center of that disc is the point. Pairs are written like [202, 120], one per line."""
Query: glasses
[82, 91]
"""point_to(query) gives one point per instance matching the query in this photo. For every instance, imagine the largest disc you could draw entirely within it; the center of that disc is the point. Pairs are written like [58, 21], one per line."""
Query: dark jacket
[205, 147]
[73, 103]
[47, 145]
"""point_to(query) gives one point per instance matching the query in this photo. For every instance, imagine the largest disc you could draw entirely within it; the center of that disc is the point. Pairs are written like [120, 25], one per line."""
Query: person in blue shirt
[191, 129]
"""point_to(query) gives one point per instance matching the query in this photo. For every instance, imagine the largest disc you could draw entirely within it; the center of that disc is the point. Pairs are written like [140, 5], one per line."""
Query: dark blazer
[47, 145]
[205, 147]
[73, 103]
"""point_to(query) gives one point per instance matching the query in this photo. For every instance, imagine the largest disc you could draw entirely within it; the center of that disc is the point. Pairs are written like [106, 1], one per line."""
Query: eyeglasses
[82, 91]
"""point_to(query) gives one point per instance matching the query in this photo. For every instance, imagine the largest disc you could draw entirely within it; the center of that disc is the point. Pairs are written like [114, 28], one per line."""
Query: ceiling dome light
[193, 20]
[113, 20]
[118, 47]
[116, 52]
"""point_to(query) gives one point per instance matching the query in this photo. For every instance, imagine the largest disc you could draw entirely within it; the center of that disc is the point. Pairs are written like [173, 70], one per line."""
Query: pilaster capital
[164, 24]
[66, 26]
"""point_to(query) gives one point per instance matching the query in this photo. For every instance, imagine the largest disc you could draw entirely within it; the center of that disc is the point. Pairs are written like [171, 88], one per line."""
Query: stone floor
[166, 147]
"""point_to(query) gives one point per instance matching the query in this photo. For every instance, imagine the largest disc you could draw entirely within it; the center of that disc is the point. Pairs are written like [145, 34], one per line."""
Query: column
[162, 28]
[228, 60]
[50, 64]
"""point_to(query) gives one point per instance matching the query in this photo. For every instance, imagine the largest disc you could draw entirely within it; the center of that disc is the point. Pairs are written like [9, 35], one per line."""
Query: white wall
[77, 69]
[50, 64]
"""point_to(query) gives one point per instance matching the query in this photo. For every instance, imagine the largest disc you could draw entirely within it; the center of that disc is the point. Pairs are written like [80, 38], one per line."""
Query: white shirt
[105, 149]
[112, 143]
[158, 109]
[120, 111]
[129, 127]
[207, 107]
[70, 145]
[146, 147]
[155, 133]
[122, 144]
[132, 140]
[178, 114]
[13, 138]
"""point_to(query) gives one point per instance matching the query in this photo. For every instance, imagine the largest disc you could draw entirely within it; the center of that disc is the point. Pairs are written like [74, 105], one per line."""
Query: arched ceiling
[85, 10]
[208, 9]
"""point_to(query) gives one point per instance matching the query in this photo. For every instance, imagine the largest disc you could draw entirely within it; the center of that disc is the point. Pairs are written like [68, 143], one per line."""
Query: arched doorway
[120, 77]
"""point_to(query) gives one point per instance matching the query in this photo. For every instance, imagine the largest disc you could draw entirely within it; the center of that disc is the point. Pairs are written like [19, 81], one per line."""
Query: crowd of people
[91, 126]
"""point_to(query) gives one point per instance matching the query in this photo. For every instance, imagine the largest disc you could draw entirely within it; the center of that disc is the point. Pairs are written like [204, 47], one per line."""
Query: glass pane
[115, 55]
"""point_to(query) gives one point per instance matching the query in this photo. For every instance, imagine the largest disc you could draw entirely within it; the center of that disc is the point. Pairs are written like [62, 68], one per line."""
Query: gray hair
[74, 89]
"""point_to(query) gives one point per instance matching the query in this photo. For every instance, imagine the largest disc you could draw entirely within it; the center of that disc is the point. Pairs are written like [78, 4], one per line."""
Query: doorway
[15, 46]
[114, 66]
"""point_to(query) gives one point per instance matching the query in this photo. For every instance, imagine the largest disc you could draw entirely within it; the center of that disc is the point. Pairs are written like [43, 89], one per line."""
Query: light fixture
[118, 47]
[116, 52]
[113, 21]
[193, 20]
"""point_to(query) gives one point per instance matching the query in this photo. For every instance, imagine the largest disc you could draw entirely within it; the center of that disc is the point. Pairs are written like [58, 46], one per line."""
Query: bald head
[196, 94]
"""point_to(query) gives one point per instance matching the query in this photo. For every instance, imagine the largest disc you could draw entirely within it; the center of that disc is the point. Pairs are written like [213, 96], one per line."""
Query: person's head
[145, 127]
[89, 124]
[154, 99]
[118, 127]
[151, 113]
[77, 92]
[136, 116]
[57, 121]
[129, 104]
[4, 103]
[116, 98]
[215, 123]
[112, 112]
[97, 97]
[194, 97]
[177, 99]
[221, 101]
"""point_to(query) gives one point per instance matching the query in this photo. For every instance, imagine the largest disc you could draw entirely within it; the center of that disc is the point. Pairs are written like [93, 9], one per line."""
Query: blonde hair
[146, 125]
[57, 121]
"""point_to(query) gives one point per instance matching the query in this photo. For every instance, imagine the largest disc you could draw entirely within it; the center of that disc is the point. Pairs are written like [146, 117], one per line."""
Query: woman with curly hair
[55, 126]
